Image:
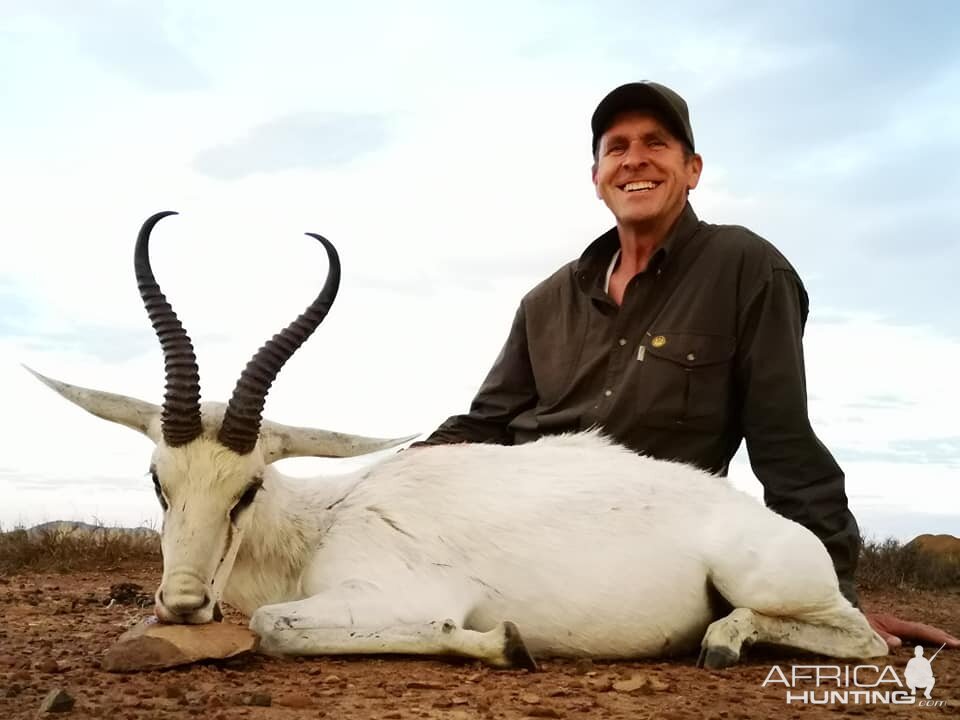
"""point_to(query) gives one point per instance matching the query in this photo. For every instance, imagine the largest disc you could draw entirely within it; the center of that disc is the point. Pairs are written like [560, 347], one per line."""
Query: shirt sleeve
[801, 479]
[508, 390]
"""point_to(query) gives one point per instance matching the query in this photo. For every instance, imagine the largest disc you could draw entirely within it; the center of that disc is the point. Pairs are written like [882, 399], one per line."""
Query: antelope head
[209, 462]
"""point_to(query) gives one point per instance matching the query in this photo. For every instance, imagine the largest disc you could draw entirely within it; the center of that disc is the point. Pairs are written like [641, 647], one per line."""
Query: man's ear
[593, 178]
[696, 163]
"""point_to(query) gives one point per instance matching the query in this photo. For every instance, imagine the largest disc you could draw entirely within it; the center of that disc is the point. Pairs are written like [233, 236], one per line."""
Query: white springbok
[588, 548]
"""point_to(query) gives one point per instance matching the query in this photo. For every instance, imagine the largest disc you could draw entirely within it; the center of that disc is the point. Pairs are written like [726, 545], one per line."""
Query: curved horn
[241, 421]
[181, 403]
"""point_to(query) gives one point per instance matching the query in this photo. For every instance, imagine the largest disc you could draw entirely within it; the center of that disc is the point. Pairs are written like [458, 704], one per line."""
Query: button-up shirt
[704, 351]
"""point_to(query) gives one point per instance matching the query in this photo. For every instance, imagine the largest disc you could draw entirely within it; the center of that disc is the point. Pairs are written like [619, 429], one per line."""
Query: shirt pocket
[686, 379]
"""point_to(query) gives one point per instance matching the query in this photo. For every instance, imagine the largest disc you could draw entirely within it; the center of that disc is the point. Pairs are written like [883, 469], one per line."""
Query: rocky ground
[56, 628]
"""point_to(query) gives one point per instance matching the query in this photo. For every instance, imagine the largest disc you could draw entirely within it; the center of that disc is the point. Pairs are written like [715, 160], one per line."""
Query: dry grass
[23, 550]
[887, 564]
[884, 564]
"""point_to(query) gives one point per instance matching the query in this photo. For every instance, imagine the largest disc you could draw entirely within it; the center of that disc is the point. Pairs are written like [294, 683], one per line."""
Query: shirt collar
[594, 263]
[610, 268]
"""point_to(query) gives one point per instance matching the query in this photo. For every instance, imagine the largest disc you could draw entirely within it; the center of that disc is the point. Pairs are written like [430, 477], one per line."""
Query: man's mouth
[639, 186]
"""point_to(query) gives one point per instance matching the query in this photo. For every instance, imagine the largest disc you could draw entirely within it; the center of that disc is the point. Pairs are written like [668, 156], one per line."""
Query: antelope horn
[181, 403]
[241, 421]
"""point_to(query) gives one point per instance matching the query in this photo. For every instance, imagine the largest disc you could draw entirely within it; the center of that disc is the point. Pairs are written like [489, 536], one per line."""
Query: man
[919, 673]
[677, 337]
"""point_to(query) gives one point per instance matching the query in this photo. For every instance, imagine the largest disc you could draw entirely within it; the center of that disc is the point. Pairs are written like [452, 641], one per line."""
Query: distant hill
[946, 546]
[77, 528]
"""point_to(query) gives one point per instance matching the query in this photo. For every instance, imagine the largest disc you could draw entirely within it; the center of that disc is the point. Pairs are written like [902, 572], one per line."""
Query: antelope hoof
[717, 658]
[515, 651]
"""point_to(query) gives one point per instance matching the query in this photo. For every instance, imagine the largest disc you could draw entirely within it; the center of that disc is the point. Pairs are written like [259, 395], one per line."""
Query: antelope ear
[284, 441]
[141, 416]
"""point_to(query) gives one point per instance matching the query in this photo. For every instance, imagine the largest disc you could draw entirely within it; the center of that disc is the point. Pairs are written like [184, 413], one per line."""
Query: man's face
[642, 172]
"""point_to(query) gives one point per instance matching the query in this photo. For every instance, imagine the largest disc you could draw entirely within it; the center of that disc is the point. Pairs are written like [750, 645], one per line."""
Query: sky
[444, 147]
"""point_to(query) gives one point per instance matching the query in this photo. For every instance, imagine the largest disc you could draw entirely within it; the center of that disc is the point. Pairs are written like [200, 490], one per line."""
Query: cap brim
[637, 96]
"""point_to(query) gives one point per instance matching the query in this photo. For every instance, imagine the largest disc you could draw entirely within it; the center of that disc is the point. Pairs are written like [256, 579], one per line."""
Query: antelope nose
[184, 603]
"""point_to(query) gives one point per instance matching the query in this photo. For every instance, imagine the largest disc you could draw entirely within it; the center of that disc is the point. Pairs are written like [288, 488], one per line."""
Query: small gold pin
[658, 341]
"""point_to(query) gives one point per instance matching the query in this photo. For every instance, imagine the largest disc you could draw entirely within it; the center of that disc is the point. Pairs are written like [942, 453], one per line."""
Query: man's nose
[635, 156]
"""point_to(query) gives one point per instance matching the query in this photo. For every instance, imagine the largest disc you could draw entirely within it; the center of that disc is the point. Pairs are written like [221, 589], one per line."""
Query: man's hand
[895, 631]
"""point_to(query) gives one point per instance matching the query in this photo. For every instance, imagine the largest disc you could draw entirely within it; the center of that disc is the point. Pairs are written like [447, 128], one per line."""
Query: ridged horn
[241, 421]
[181, 403]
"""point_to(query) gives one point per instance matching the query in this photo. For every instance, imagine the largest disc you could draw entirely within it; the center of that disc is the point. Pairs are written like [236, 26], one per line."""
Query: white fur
[590, 549]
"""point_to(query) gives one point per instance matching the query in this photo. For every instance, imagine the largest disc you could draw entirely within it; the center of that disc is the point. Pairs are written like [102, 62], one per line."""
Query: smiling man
[678, 338]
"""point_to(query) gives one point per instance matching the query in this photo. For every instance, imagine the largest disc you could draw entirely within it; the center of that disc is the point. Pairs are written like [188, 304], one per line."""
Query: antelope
[588, 548]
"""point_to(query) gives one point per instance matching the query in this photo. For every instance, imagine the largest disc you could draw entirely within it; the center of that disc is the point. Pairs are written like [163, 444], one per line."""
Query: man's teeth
[644, 185]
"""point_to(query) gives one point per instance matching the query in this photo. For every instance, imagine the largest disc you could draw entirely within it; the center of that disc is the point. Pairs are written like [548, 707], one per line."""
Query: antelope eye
[158, 490]
[246, 499]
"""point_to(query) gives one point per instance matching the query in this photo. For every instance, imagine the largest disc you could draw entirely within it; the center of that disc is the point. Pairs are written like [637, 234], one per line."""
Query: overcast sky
[444, 147]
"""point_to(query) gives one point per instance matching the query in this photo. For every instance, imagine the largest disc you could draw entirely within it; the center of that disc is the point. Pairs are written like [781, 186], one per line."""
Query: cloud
[941, 451]
[873, 402]
[302, 141]
[136, 41]
[26, 320]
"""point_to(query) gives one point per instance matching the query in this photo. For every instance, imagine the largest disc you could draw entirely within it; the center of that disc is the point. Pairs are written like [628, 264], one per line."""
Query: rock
[261, 699]
[529, 698]
[425, 685]
[641, 683]
[129, 594]
[47, 665]
[56, 701]
[635, 683]
[294, 700]
[173, 692]
[657, 685]
[601, 684]
[151, 645]
[544, 712]
[583, 666]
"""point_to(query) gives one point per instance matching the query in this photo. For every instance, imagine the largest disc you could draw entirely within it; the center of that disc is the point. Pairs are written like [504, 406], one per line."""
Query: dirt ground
[55, 628]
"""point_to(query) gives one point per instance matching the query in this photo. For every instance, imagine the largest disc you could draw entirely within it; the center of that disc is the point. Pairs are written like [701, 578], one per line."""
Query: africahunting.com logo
[858, 684]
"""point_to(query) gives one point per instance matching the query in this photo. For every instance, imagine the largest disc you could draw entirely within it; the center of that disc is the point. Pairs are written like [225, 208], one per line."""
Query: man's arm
[801, 480]
[508, 390]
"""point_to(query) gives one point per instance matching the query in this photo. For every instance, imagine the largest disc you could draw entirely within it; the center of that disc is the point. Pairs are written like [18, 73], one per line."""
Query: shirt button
[691, 357]
[621, 342]
[607, 393]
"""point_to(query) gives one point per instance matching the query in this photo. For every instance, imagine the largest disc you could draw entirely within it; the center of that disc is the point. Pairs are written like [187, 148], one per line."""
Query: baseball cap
[640, 96]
